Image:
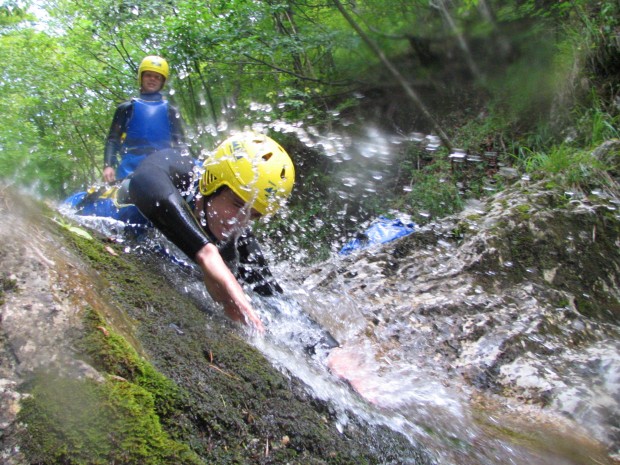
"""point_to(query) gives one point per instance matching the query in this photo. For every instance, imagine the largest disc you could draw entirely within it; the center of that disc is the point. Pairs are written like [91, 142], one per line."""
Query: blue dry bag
[382, 230]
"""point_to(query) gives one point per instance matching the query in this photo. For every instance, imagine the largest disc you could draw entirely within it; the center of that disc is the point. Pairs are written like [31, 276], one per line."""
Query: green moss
[586, 306]
[232, 402]
[111, 353]
[523, 211]
[73, 421]
[118, 421]
[460, 230]
[523, 208]
[129, 285]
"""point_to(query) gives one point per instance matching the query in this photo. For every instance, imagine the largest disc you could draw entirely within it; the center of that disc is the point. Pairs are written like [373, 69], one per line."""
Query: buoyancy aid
[148, 128]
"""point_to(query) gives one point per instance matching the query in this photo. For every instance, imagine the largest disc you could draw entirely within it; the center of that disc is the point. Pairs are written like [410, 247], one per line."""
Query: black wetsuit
[160, 188]
[156, 188]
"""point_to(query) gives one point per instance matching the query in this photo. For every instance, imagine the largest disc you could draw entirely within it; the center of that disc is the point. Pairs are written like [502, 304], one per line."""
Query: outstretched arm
[154, 189]
[225, 289]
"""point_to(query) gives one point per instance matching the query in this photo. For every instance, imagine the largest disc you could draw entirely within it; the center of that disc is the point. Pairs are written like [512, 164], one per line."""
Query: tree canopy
[68, 63]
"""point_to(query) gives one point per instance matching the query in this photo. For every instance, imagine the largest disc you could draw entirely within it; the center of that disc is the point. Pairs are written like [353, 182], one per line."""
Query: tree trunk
[412, 94]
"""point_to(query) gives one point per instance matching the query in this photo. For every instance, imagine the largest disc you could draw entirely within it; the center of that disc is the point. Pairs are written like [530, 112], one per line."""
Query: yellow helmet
[155, 64]
[253, 166]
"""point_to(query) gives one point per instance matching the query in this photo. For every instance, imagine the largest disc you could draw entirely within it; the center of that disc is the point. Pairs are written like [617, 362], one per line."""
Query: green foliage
[12, 13]
[574, 167]
[51, 140]
[434, 193]
[485, 133]
[594, 125]
[571, 162]
[241, 63]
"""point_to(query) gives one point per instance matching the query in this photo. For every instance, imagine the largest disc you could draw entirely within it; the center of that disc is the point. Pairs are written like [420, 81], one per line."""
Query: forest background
[466, 95]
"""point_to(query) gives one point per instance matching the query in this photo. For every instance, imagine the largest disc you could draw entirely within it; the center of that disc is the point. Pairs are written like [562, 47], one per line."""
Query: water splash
[388, 384]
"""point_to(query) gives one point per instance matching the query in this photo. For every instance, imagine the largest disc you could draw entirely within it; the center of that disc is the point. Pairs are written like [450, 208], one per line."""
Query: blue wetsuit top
[148, 128]
[142, 126]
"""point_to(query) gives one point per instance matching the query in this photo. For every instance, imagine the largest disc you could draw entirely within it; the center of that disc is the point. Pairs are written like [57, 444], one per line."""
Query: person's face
[227, 214]
[151, 82]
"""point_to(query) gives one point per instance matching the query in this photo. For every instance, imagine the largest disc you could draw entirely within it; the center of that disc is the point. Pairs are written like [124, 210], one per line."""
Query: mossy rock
[86, 422]
[178, 384]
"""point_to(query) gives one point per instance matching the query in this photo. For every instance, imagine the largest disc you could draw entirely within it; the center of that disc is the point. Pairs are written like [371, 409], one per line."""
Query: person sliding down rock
[248, 176]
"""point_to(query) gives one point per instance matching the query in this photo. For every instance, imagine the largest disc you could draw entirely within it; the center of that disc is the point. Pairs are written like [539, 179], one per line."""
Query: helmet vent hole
[267, 156]
[283, 173]
[211, 177]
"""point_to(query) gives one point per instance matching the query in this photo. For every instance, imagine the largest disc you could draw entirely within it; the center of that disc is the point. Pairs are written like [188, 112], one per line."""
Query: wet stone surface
[235, 407]
[517, 298]
[486, 338]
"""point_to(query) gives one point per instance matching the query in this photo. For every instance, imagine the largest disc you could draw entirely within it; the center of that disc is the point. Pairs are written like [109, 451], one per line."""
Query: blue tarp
[381, 230]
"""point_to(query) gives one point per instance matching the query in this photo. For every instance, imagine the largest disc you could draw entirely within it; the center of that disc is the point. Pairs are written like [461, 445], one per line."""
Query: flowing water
[433, 412]
[387, 382]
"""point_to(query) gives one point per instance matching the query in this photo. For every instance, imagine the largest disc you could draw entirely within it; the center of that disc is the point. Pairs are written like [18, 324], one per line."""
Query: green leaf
[73, 229]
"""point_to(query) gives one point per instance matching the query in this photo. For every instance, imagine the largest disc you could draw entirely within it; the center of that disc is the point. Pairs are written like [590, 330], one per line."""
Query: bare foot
[350, 365]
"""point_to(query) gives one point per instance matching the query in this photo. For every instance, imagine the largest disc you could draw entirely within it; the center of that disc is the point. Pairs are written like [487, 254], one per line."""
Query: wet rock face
[519, 297]
[516, 298]
[609, 154]
[234, 407]
[37, 315]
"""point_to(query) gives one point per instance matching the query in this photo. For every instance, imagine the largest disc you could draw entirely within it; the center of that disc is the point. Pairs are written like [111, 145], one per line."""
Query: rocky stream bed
[513, 304]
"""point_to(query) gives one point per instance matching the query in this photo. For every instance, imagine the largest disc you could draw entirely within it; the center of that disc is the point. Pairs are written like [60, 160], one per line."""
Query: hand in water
[225, 289]
[244, 313]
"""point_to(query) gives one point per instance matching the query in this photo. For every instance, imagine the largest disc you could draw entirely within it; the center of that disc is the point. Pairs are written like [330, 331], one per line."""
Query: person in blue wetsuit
[142, 125]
